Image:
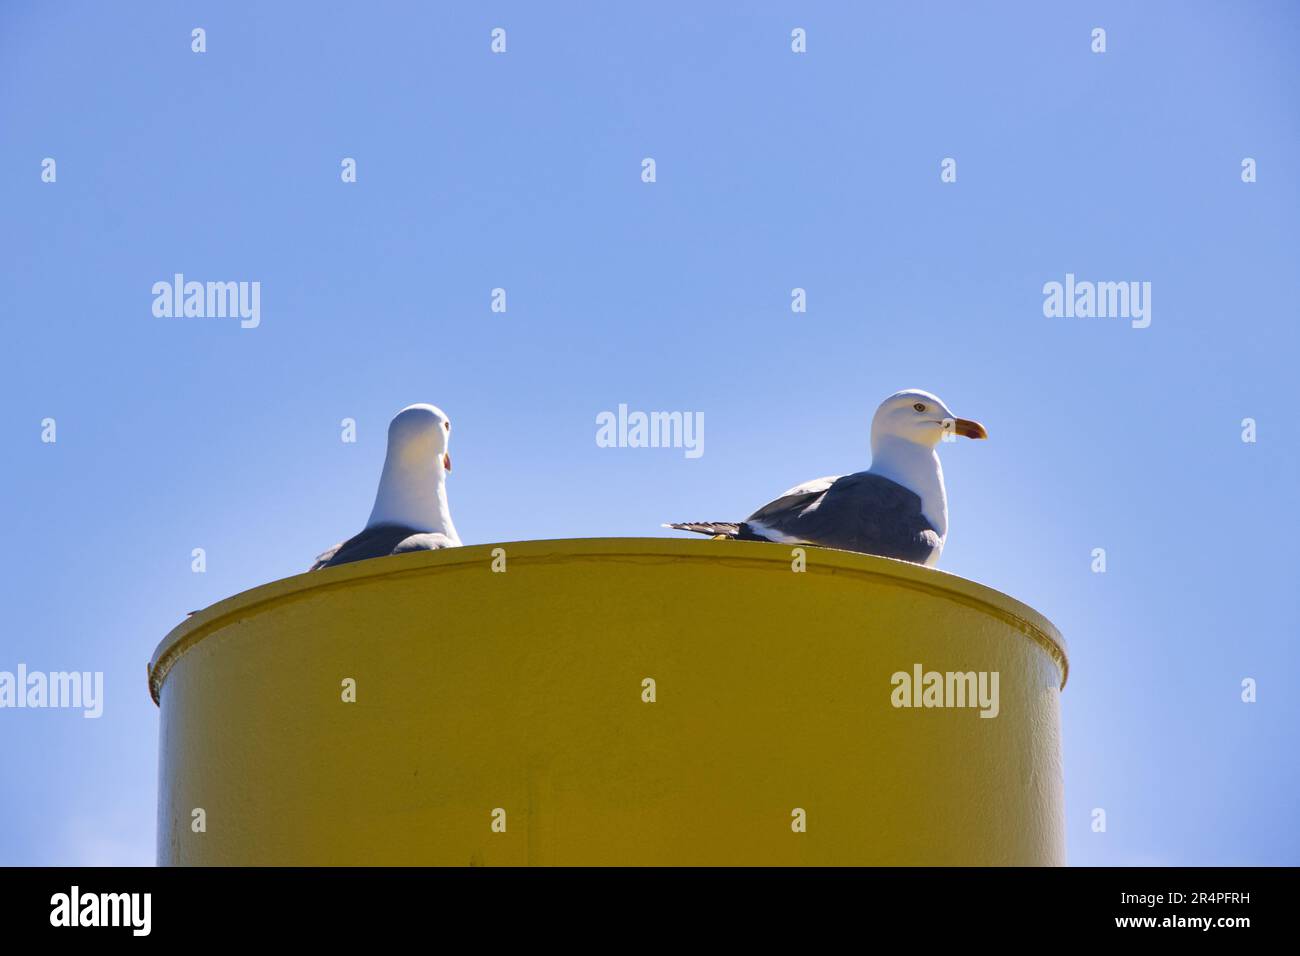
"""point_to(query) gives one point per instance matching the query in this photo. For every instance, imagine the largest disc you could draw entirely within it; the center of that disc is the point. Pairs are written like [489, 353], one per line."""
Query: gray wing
[798, 497]
[424, 542]
[860, 512]
[323, 559]
[377, 542]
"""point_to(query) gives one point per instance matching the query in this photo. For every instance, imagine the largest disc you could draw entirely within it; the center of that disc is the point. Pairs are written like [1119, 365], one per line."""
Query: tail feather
[728, 529]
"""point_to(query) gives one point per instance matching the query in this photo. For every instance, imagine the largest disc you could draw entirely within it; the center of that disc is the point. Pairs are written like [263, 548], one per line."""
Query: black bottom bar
[208, 905]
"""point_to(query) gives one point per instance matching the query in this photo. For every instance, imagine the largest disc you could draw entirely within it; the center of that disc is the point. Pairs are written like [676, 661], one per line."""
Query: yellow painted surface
[523, 690]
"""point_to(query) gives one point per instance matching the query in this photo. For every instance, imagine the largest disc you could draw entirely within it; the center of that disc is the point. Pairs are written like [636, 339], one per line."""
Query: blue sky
[774, 171]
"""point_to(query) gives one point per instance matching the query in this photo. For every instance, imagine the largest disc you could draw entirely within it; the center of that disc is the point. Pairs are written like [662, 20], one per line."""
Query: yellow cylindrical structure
[612, 701]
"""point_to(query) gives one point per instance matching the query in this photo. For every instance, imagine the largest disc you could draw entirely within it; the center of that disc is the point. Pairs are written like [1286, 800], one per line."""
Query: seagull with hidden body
[410, 512]
[897, 508]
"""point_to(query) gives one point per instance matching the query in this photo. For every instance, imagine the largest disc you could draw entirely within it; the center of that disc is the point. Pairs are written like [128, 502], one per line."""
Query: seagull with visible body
[410, 512]
[897, 508]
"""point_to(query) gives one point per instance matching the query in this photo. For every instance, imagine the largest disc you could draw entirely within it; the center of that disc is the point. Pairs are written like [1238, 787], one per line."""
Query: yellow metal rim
[633, 550]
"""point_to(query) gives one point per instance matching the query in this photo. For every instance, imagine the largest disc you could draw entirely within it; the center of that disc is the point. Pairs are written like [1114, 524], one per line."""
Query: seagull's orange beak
[968, 428]
[446, 461]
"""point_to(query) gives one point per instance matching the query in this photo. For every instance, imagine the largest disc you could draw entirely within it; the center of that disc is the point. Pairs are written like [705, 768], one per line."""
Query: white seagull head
[919, 418]
[418, 434]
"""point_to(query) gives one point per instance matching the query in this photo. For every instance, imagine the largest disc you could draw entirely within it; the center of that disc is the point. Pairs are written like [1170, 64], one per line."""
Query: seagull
[410, 512]
[897, 508]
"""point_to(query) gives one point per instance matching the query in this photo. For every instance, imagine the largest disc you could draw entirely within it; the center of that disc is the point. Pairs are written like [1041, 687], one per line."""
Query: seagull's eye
[447, 425]
[919, 407]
